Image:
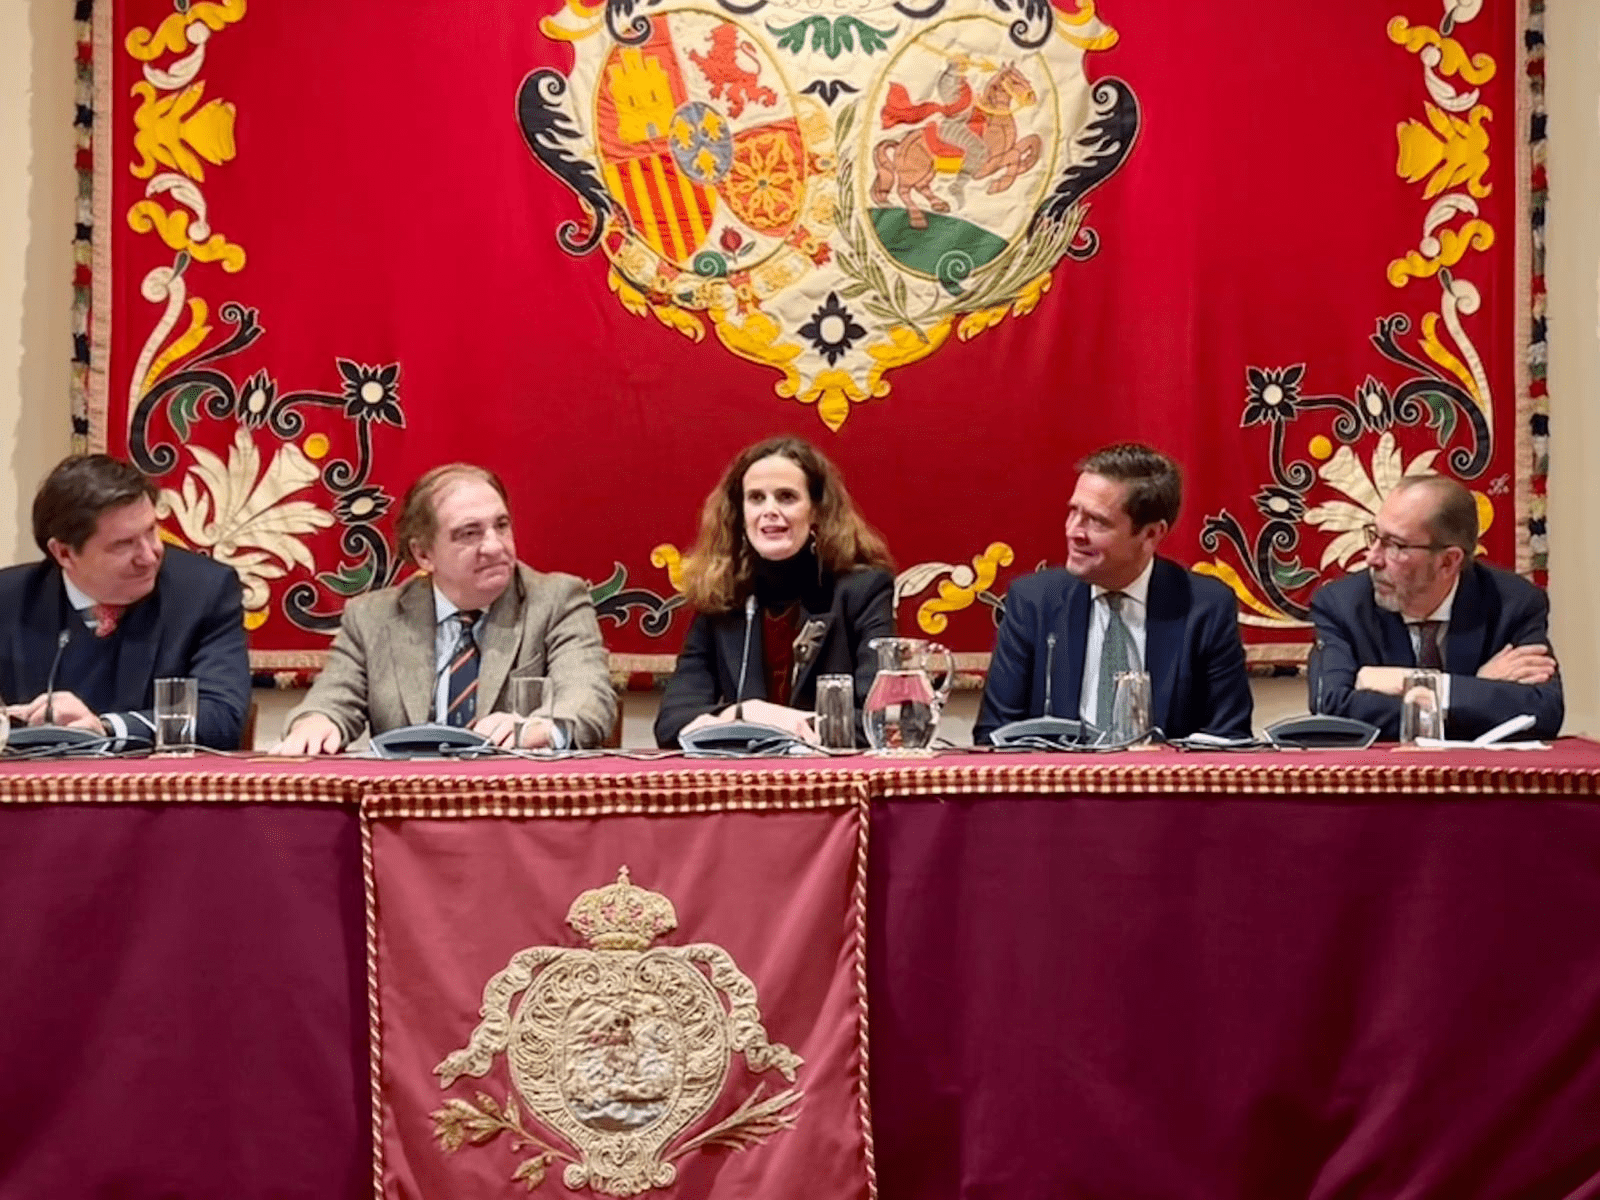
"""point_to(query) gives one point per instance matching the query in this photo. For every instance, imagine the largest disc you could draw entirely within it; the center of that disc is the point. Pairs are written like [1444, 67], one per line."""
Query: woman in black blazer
[785, 565]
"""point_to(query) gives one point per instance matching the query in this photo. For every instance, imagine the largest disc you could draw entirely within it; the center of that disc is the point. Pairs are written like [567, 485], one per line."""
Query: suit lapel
[141, 642]
[730, 641]
[34, 639]
[1395, 640]
[1166, 614]
[412, 651]
[1464, 648]
[502, 638]
[1073, 627]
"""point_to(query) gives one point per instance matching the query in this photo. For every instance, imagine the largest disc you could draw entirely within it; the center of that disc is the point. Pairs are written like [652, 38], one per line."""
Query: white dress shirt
[1134, 608]
[80, 601]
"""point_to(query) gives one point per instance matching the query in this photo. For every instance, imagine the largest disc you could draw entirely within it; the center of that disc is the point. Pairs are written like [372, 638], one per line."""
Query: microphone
[1049, 672]
[744, 656]
[62, 639]
[1314, 667]
[38, 740]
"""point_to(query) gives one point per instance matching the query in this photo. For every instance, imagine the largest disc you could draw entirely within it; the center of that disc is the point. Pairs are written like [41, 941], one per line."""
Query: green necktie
[1116, 656]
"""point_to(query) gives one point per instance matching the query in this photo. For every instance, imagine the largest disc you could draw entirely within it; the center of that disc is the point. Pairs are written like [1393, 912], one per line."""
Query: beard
[1407, 592]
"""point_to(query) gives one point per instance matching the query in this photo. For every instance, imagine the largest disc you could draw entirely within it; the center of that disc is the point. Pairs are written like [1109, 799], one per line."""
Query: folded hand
[1531, 664]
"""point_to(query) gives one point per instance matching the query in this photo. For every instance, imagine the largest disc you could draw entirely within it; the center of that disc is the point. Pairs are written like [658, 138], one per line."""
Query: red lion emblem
[728, 79]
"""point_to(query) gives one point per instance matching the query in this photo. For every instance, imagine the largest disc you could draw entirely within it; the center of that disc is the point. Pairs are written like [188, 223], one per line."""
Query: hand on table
[792, 721]
[508, 729]
[313, 733]
[68, 711]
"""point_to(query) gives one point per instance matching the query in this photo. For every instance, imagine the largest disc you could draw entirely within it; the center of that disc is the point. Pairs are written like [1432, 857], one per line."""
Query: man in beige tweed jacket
[385, 669]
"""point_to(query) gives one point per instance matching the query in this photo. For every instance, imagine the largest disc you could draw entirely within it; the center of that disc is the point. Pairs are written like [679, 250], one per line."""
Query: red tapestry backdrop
[600, 248]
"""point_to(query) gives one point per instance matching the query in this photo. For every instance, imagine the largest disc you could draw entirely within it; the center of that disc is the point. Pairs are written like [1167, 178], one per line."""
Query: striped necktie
[1116, 656]
[462, 704]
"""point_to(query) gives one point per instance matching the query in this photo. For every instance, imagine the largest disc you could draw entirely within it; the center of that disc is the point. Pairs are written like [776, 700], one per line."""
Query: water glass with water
[177, 703]
[1421, 715]
[1130, 708]
[836, 712]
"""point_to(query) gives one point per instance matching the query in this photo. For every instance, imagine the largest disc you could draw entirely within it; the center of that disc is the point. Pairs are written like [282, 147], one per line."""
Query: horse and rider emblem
[833, 194]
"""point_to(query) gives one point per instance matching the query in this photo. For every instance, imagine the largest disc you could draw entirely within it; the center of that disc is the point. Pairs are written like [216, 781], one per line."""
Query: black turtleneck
[780, 582]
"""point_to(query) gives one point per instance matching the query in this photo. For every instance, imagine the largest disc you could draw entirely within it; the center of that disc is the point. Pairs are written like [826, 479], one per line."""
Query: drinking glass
[1420, 711]
[177, 701]
[528, 694]
[836, 711]
[1130, 708]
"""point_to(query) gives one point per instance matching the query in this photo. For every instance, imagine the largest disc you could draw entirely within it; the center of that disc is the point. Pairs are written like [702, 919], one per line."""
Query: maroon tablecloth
[1140, 975]
[1332, 996]
[183, 994]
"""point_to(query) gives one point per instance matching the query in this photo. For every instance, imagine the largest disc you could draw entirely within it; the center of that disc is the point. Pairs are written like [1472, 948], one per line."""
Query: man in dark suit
[111, 610]
[1117, 607]
[1424, 602]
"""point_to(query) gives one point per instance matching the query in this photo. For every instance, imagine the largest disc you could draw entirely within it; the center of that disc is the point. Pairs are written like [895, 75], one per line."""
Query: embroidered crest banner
[666, 1005]
[601, 247]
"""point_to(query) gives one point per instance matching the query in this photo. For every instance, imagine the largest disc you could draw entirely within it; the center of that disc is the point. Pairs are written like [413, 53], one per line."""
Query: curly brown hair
[719, 570]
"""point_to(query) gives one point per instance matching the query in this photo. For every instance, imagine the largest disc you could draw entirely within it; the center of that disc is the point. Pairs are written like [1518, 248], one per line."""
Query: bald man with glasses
[1425, 601]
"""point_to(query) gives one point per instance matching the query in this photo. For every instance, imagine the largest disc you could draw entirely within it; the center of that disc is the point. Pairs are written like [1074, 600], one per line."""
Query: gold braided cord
[623, 787]
[369, 878]
[864, 1063]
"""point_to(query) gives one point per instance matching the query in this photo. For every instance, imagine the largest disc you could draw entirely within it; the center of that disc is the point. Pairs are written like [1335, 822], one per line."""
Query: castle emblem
[616, 1052]
[833, 194]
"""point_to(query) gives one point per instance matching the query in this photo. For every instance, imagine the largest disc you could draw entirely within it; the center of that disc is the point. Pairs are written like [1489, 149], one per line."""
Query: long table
[1136, 975]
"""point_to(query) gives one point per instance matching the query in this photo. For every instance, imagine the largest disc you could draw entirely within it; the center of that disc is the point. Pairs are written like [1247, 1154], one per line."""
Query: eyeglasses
[1394, 545]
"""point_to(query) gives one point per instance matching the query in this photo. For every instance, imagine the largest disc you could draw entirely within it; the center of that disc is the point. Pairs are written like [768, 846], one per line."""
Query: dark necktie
[1116, 656]
[462, 703]
[1428, 655]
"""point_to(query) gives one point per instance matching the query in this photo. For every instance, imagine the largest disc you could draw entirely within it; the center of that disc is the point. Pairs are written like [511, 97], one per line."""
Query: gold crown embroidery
[616, 1051]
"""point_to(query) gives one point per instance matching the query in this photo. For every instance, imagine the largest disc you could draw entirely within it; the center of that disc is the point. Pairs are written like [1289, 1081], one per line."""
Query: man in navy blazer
[110, 610]
[1118, 604]
[1424, 601]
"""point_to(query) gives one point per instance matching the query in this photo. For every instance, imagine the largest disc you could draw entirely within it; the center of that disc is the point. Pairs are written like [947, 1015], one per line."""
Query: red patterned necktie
[462, 699]
[106, 617]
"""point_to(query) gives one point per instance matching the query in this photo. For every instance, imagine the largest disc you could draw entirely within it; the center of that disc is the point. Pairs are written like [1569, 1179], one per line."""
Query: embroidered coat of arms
[617, 1051]
[833, 188]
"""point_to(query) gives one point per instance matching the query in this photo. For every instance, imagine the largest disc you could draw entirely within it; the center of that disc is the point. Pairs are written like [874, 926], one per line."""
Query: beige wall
[1573, 71]
[38, 201]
